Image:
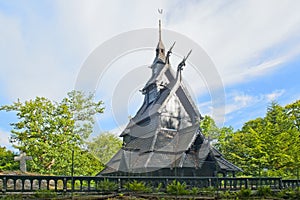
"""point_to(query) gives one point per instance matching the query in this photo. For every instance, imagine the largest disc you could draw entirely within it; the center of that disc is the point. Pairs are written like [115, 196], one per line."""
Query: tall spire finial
[160, 49]
[160, 11]
[159, 30]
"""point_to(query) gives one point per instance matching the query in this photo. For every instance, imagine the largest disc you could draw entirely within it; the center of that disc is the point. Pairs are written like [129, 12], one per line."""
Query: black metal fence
[65, 184]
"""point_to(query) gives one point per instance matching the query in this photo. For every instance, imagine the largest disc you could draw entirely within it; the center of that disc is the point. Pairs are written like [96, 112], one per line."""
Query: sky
[254, 47]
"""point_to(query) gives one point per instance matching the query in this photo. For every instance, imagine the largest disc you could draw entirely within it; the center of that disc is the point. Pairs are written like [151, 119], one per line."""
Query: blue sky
[254, 45]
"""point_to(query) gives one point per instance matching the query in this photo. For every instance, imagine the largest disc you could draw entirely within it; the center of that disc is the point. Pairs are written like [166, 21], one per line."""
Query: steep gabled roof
[165, 132]
[174, 86]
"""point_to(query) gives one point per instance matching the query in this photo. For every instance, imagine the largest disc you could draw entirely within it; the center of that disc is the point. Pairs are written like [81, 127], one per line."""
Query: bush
[289, 193]
[177, 188]
[7, 160]
[227, 195]
[264, 191]
[158, 188]
[138, 186]
[244, 193]
[194, 191]
[107, 185]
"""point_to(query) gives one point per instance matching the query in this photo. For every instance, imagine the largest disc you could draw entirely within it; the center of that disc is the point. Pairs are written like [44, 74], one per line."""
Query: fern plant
[138, 186]
[177, 188]
[107, 185]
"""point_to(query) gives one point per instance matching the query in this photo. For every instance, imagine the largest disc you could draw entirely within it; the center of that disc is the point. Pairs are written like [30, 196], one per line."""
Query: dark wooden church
[164, 137]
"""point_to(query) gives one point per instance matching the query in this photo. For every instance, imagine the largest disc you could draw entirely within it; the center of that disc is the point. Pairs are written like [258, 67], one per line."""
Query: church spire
[159, 30]
[160, 49]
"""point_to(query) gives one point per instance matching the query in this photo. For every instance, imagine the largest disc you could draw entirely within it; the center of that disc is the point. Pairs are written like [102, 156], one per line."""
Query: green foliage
[107, 185]
[177, 188]
[45, 194]
[194, 191]
[209, 127]
[138, 186]
[264, 146]
[244, 193]
[289, 193]
[83, 109]
[105, 142]
[7, 160]
[227, 195]
[264, 191]
[208, 191]
[49, 132]
[158, 188]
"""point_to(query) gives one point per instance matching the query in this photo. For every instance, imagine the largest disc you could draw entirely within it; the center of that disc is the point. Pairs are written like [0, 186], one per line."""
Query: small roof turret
[160, 49]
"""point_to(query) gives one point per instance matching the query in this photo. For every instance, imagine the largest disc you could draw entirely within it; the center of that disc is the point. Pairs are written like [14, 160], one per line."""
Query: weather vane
[160, 11]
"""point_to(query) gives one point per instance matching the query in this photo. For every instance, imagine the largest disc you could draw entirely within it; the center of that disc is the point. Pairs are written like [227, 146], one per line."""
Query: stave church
[164, 137]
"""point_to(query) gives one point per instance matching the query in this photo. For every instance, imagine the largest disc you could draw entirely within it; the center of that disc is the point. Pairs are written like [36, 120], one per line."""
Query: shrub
[264, 191]
[137, 186]
[289, 193]
[227, 194]
[177, 188]
[244, 193]
[107, 185]
[158, 188]
[194, 191]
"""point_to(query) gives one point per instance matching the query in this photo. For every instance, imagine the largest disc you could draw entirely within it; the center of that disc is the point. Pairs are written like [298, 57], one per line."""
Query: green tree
[266, 146]
[209, 128]
[104, 146]
[246, 147]
[83, 109]
[50, 131]
[293, 112]
[7, 160]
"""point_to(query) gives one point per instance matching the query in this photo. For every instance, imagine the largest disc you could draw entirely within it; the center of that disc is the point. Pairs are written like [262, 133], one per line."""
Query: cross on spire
[22, 158]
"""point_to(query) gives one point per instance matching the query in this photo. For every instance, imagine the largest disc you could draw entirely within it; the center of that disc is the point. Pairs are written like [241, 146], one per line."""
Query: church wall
[173, 115]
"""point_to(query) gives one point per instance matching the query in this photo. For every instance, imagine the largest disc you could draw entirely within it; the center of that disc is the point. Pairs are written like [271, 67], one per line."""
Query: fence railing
[64, 184]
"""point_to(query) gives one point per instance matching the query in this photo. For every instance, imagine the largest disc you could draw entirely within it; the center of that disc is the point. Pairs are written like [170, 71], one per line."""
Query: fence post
[120, 186]
[4, 185]
[65, 184]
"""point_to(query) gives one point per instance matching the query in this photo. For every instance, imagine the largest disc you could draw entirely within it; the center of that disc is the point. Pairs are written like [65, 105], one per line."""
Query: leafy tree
[104, 146]
[246, 148]
[50, 131]
[7, 160]
[266, 146]
[209, 127]
[293, 112]
[83, 109]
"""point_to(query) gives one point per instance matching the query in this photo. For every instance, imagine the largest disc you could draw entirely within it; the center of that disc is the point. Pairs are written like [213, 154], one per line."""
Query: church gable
[173, 114]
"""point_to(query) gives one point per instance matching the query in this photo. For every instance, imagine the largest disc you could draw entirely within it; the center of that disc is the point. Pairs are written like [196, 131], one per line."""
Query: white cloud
[4, 139]
[242, 34]
[239, 101]
[236, 101]
[236, 35]
[29, 64]
[274, 95]
[245, 39]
